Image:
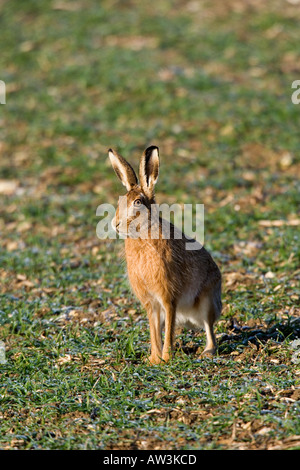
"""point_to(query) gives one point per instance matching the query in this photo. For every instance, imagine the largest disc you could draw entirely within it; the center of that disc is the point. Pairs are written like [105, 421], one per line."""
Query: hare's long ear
[123, 170]
[149, 167]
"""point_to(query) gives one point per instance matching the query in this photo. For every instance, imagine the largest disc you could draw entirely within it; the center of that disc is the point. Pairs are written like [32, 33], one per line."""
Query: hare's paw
[209, 352]
[154, 359]
[167, 356]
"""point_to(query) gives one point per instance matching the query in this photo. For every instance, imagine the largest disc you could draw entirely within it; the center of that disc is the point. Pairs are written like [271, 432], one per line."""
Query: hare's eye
[137, 203]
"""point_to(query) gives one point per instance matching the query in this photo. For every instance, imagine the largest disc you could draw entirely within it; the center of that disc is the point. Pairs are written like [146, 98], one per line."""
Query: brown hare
[176, 286]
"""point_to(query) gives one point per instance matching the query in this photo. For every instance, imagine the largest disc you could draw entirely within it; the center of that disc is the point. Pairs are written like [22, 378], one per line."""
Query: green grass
[210, 84]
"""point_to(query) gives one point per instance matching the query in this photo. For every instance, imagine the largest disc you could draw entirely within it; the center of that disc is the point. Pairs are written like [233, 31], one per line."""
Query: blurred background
[209, 82]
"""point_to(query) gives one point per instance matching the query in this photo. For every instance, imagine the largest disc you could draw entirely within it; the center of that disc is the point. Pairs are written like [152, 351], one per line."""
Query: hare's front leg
[153, 312]
[170, 315]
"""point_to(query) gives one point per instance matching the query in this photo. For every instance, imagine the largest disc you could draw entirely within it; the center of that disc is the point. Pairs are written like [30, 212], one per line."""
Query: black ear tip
[150, 149]
[110, 150]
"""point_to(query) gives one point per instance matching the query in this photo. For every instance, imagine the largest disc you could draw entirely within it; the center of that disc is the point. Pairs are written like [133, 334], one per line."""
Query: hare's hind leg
[211, 306]
[211, 343]
[208, 316]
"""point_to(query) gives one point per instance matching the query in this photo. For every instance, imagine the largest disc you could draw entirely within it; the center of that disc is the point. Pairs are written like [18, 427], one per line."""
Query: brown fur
[172, 283]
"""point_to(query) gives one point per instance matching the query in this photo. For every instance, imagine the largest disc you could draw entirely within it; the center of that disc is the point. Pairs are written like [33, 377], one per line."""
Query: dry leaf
[8, 187]
[64, 359]
[279, 223]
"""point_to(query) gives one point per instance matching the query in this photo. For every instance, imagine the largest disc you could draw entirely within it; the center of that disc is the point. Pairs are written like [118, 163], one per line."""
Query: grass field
[210, 83]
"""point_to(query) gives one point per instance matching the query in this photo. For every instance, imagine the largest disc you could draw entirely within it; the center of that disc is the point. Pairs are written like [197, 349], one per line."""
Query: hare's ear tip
[151, 149]
[112, 154]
